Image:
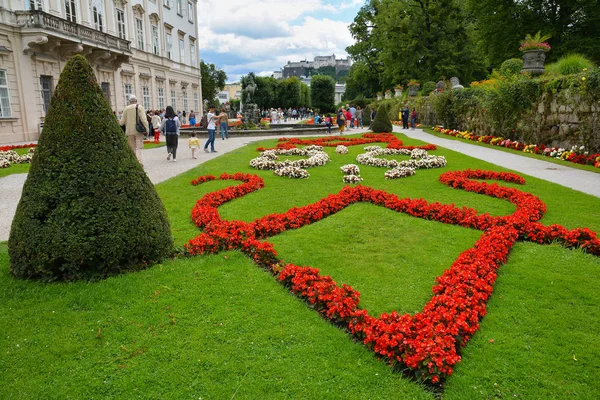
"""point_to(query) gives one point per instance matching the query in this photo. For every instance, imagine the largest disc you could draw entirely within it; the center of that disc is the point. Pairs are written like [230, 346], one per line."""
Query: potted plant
[388, 94]
[398, 90]
[534, 49]
[379, 96]
[413, 87]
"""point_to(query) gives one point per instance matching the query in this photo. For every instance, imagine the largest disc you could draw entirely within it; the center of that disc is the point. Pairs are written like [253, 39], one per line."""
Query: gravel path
[159, 169]
[583, 181]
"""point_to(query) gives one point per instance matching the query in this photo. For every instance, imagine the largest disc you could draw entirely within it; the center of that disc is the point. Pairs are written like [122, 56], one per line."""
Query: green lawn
[590, 168]
[218, 327]
[16, 168]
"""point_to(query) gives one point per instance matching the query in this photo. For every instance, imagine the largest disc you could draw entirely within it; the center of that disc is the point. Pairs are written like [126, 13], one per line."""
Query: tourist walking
[223, 122]
[136, 126]
[273, 116]
[194, 144]
[341, 120]
[328, 123]
[192, 118]
[184, 116]
[359, 116]
[413, 118]
[348, 116]
[372, 117]
[211, 118]
[156, 123]
[405, 114]
[352, 115]
[170, 128]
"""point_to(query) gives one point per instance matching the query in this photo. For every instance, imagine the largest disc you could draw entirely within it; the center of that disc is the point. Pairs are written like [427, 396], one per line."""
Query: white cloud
[262, 36]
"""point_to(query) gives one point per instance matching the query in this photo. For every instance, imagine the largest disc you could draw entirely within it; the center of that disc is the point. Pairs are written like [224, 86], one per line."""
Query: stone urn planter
[388, 94]
[533, 61]
[398, 92]
[413, 90]
[379, 96]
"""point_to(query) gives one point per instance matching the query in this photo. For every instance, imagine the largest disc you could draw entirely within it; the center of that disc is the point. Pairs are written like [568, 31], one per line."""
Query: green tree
[213, 81]
[361, 81]
[289, 93]
[322, 91]
[88, 209]
[421, 39]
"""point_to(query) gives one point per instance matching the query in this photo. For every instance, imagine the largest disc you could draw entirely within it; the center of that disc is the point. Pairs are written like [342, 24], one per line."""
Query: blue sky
[242, 36]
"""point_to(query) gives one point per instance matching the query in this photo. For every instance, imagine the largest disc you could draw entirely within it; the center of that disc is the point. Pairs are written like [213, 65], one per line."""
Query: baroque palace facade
[143, 47]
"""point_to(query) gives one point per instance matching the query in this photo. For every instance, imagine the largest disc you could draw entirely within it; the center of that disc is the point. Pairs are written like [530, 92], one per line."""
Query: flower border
[429, 342]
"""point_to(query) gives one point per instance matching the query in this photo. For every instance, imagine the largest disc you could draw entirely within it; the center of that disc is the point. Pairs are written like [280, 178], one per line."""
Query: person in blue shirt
[317, 119]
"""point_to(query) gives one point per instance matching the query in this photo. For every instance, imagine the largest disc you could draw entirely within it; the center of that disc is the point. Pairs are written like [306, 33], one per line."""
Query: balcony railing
[40, 19]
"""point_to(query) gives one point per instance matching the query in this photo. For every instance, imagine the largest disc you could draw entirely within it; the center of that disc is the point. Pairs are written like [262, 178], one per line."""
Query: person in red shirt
[348, 116]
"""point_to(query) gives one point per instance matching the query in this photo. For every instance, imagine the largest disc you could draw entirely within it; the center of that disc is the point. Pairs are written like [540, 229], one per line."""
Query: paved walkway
[159, 169]
[583, 181]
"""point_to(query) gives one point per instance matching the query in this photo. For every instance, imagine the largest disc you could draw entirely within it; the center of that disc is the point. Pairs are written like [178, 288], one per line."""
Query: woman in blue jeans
[223, 123]
[211, 118]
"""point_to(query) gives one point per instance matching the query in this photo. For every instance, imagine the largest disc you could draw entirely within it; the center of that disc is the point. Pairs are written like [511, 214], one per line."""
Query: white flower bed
[292, 172]
[350, 169]
[352, 179]
[341, 149]
[420, 159]
[400, 172]
[11, 157]
[269, 160]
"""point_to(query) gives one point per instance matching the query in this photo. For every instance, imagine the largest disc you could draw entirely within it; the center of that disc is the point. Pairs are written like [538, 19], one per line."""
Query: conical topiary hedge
[382, 121]
[88, 209]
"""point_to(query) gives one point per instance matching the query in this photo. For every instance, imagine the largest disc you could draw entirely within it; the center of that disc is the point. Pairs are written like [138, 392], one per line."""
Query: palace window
[98, 13]
[46, 85]
[70, 11]
[5, 111]
[140, 33]
[146, 97]
[193, 53]
[155, 45]
[182, 51]
[196, 108]
[121, 23]
[180, 7]
[190, 12]
[169, 46]
[31, 5]
[173, 100]
[185, 100]
[105, 86]
[161, 98]
[128, 90]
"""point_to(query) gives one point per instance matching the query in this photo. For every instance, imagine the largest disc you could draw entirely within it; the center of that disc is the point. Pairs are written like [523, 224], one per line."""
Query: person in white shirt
[211, 119]
[273, 116]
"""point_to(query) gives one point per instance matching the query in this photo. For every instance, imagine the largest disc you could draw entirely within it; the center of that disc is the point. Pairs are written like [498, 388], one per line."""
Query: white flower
[341, 149]
[401, 172]
[292, 172]
[352, 179]
[350, 169]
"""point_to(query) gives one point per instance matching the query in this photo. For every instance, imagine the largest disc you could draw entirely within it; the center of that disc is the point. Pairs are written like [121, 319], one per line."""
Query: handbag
[138, 124]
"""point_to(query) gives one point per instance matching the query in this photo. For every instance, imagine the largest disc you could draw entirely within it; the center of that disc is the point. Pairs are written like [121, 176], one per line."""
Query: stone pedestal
[388, 95]
[379, 96]
[398, 92]
[251, 113]
[413, 90]
[533, 61]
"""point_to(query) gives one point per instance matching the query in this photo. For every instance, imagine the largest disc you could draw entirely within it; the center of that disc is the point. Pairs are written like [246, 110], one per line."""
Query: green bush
[88, 209]
[322, 92]
[569, 64]
[382, 121]
[427, 88]
[510, 67]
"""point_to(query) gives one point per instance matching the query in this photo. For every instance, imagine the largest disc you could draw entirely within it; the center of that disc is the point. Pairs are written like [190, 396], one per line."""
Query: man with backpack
[136, 126]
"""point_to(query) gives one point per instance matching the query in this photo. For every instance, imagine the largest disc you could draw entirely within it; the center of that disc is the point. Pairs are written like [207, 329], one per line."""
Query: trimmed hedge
[382, 121]
[88, 209]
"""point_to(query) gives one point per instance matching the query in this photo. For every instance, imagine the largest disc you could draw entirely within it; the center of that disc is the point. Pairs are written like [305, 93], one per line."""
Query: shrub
[88, 209]
[322, 92]
[570, 64]
[510, 67]
[382, 121]
[427, 88]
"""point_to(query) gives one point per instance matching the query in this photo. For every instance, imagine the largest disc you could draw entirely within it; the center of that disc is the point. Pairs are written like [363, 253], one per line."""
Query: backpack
[204, 122]
[170, 126]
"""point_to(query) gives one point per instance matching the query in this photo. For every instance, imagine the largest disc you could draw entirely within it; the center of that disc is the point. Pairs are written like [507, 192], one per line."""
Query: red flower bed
[17, 146]
[430, 341]
[334, 141]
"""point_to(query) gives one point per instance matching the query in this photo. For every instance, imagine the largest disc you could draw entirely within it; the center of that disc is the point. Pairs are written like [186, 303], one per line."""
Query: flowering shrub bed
[399, 172]
[9, 157]
[269, 159]
[350, 169]
[341, 149]
[574, 155]
[419, 159]
[352, 179]
[429, 342]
